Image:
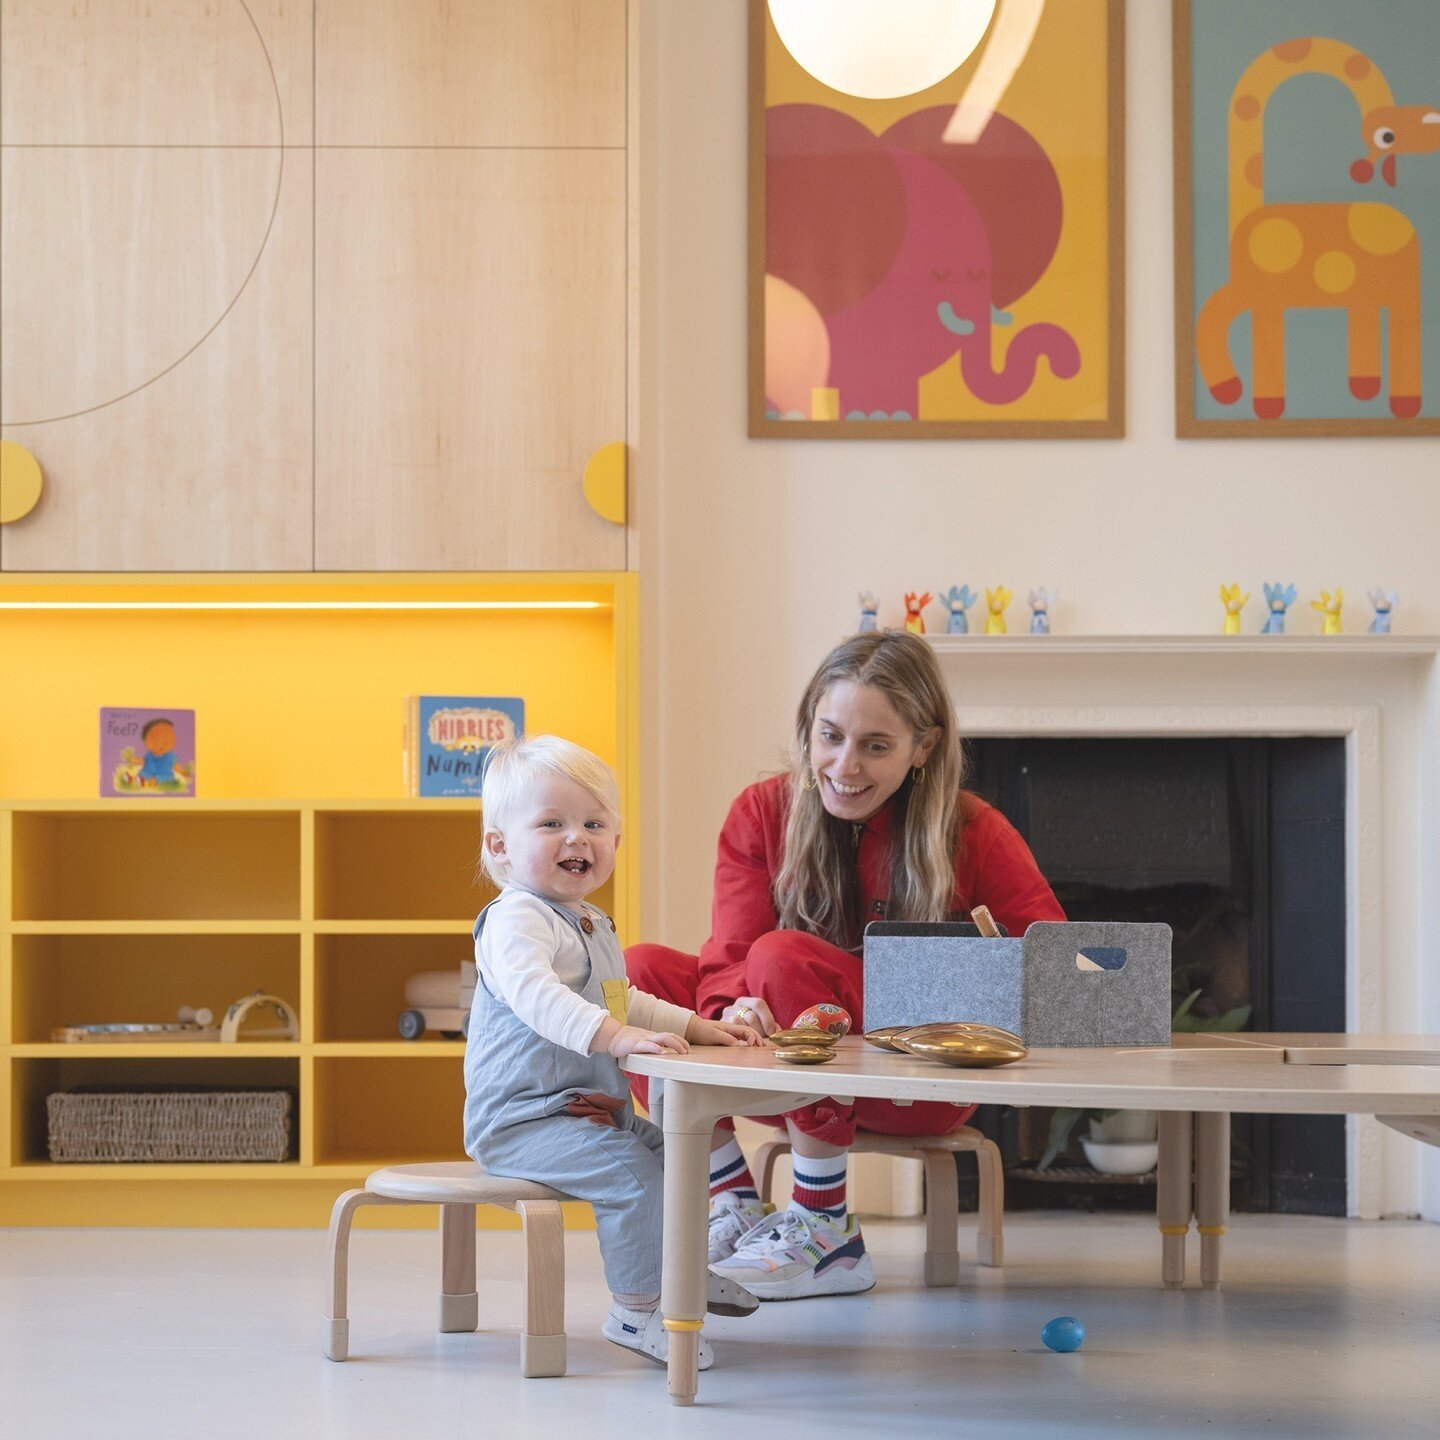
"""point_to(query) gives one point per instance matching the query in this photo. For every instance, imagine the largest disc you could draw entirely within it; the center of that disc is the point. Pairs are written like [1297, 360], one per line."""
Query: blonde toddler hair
[514, 766]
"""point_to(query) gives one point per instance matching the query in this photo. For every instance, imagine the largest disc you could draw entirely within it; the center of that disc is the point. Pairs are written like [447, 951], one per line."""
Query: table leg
[1212, 1191]
[691, 1111]
[682, 1286]
[1173, 1192]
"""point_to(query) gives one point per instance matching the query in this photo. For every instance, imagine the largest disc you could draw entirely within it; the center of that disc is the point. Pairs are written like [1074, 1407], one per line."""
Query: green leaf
[1062, 1124]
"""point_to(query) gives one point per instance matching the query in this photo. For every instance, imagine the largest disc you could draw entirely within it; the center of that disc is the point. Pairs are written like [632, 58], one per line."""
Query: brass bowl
[975, 1047]
[886, 1038]
[798, 1036]
[805, 1054]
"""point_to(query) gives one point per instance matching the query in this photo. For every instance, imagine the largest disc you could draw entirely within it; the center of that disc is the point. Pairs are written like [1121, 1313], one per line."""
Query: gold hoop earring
[807, 779]
[917, 775]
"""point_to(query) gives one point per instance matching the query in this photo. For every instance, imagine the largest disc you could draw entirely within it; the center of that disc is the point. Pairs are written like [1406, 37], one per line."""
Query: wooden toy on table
[957, 600]
[869, 612]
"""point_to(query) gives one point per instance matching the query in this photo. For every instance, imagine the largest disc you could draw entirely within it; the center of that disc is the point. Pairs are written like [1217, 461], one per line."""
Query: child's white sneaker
[644, 1332]
[730, 1218]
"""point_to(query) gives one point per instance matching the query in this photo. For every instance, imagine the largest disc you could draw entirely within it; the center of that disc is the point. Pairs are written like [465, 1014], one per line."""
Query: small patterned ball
[832, 1019]
[1063, 1334]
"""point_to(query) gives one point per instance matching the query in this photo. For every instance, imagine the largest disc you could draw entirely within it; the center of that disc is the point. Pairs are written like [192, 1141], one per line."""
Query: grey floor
[1324, 1328]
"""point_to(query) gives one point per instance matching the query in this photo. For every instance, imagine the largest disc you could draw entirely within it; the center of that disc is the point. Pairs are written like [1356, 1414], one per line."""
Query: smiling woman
[870, 823]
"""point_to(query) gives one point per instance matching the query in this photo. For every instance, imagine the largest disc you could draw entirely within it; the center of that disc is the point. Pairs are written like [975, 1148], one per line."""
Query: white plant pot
[1121, 1157]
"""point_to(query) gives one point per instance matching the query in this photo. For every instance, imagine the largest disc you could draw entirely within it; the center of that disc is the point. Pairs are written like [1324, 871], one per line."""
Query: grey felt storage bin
[1041, 987]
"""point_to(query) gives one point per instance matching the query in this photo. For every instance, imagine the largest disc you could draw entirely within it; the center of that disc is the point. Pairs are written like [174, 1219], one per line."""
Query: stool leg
[942, 1209]
[1174, 1192]
[542, 1345]
[337, 1323]
[764, 1167]
[459, 1304]
[990, 1236]
[1212, 1191]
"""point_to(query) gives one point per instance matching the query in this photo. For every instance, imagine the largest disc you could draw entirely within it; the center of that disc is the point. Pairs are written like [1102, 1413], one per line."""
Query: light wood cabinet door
[155, 282]
[470, 356]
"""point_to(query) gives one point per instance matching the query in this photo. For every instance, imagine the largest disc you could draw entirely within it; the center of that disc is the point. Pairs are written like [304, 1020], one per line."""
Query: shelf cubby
[164, 864]
[399, 1108]
[411, 864]
[141, 978]
[360, 981]
[32, 1079]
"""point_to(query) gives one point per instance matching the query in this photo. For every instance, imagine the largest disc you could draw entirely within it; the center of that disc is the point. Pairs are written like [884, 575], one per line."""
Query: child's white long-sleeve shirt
[529, 957]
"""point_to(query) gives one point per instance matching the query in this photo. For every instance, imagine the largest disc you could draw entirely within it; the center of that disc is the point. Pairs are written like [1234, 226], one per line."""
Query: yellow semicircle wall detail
[605, 482]
[20, 482]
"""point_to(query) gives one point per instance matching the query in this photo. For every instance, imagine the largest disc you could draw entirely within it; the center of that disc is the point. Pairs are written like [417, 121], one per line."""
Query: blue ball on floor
[1063, 1334]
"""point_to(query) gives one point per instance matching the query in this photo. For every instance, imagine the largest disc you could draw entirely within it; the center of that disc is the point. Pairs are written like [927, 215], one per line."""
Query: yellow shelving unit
[126, 909]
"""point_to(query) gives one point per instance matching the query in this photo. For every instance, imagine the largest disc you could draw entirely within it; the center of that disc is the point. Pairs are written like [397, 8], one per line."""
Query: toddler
[553, 1015]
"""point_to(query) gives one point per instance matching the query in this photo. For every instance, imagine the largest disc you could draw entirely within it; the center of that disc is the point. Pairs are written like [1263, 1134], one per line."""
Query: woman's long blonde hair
[818, 888]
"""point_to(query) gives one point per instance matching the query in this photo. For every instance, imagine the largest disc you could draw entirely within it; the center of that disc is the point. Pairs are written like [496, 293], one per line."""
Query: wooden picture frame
[1223, 89]
[1060, 293]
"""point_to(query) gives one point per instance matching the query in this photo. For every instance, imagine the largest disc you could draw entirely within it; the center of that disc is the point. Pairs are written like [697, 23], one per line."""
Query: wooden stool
[942, 1192]
[458, 1188]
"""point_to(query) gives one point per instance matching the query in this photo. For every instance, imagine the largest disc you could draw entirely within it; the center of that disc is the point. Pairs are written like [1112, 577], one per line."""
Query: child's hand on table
[721, 1032]
[632, 1040]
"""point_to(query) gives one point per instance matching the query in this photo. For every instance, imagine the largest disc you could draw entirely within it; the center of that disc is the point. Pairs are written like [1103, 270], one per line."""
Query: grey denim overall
[517, 1087]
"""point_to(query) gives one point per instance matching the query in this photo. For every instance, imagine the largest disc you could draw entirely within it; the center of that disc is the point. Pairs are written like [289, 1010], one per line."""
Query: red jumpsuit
[790, 970]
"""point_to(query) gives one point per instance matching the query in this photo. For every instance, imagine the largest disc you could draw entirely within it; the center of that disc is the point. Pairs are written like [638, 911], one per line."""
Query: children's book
[147, 752]
[447, 738]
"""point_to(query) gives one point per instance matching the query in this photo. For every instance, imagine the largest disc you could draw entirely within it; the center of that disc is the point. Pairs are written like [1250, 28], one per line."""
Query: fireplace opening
[1239, 845]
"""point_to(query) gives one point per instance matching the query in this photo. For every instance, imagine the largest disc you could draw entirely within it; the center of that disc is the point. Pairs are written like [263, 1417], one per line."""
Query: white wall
[753, 549]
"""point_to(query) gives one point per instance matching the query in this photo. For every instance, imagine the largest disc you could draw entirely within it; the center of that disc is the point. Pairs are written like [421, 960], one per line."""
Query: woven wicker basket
[169, 1123]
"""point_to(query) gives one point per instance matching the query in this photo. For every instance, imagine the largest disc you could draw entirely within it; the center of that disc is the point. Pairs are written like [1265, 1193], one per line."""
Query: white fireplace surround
[1380, 693]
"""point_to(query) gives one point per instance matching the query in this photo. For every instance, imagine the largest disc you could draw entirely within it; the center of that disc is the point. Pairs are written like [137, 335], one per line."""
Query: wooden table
[1196, 1086]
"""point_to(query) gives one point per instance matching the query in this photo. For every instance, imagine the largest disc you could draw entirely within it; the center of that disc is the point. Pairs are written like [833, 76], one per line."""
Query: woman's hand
[752, 1011]
[721, 1032]
[632, 1040]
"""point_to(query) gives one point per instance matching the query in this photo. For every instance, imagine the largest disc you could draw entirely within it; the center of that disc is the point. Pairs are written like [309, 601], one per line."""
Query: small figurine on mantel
[1384, 602]
[869, 611]
[996, 600]
[1040, 603]
[914, 604]
[1279, 598]
[1328, 605]
[957, 600]
[1234, 602]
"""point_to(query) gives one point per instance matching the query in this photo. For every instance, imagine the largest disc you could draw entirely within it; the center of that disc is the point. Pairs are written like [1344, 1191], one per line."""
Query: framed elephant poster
[1307, 196]
[938, 253]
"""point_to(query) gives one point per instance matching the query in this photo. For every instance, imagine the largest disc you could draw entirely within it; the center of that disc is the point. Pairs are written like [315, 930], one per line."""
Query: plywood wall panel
[471, 72]
[155, 72]
[113, 264]
[470, 355]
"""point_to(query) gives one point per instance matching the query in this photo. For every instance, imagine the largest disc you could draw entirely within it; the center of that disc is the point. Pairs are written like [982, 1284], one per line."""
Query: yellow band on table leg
[1174, 1229]
[1210, 1229]
[683, 1325]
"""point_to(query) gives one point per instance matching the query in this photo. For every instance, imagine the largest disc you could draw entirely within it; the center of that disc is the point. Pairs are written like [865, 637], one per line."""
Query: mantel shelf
[1372, 647]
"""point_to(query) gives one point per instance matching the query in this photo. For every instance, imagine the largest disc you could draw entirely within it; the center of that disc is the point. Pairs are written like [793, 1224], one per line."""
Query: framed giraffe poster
[936, 219]
[1307, 198]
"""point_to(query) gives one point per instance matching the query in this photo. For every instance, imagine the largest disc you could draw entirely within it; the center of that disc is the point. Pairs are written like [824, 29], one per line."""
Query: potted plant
[1122, 1142]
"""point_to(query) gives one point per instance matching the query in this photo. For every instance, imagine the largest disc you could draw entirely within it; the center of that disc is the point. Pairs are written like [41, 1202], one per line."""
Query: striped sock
[730, 1172]
[820, 1185]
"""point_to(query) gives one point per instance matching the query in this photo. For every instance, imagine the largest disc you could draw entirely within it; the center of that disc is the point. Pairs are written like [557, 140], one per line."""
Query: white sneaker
[797, 1254]
[646, 1335]
[730, 1218]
